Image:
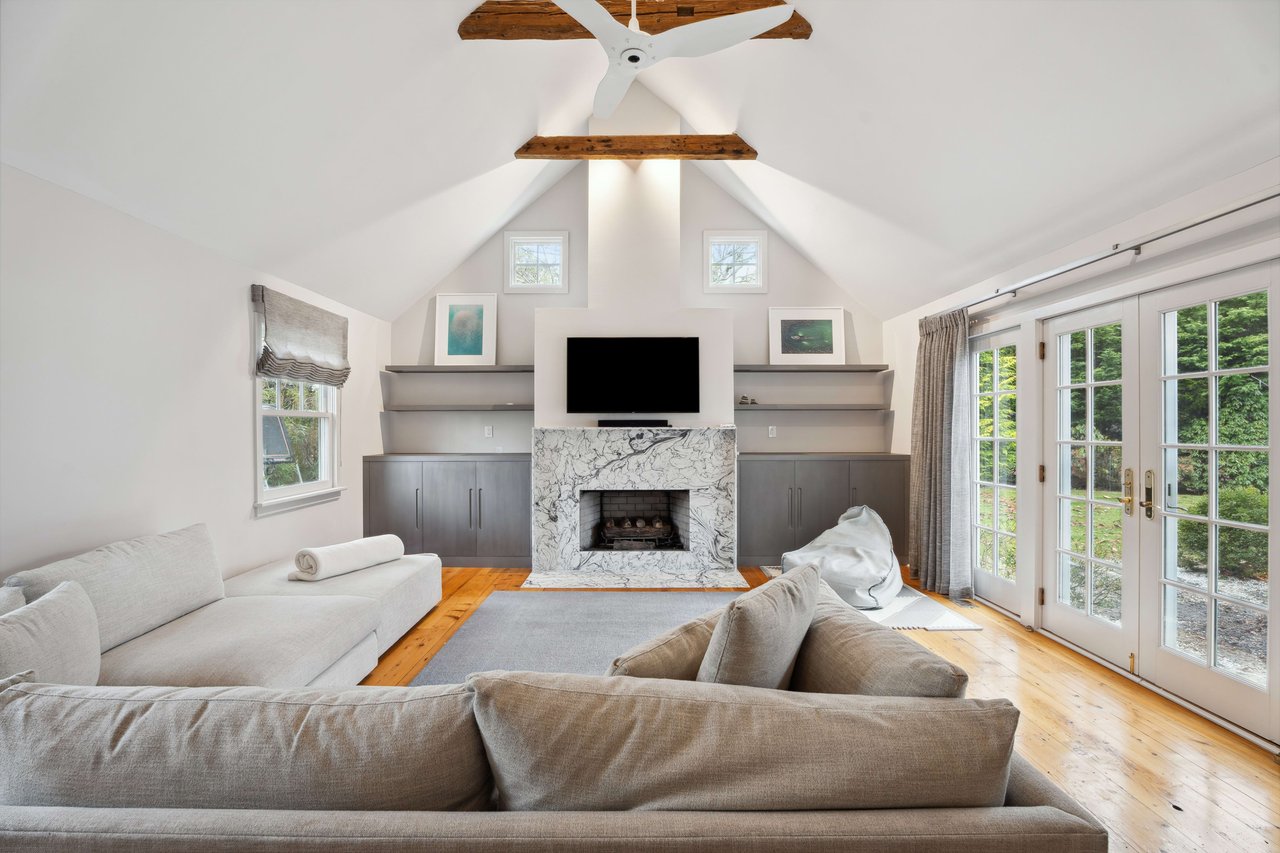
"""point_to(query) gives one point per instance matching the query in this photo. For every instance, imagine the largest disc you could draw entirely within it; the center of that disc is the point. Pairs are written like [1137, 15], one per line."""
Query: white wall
[1163, 261]
[563, 207]
[126, 392]
[791, 278]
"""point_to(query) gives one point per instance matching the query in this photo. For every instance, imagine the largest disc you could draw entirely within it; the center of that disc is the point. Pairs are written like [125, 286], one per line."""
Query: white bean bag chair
[855, 557]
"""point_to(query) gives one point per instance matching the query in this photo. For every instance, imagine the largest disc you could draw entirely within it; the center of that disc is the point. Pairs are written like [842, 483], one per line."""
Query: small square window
[734, 262]
[536, 262]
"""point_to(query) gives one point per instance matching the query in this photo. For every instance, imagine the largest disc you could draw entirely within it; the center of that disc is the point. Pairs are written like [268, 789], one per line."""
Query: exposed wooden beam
[728, 146]
[511, 20]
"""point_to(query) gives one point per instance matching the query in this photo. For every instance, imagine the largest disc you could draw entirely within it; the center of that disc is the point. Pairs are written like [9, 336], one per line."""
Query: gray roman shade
[300, 341]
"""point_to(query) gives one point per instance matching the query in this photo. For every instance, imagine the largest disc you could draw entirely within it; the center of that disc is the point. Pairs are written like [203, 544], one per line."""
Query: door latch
[1148, 488]
[1127, 500]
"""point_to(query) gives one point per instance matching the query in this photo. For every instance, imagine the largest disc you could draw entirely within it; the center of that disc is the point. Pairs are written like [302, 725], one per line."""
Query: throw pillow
[559, 742]
[11, 599]
[360, 749]
[756, 640]
[674, 654]
[56, 636]
[845, 652]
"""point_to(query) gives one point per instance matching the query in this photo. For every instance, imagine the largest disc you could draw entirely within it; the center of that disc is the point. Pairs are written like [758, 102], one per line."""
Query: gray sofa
[166, 616]
[543, 762]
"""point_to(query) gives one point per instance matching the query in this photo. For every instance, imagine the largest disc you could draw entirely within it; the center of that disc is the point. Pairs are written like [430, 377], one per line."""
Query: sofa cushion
[358, 749]
[11, 598]
[137, 584]
[56, 636]
[264, 640]
[405, 589]
[560, 742]
[845, 652]
[756, 640]
[677, 653]
[18, 678]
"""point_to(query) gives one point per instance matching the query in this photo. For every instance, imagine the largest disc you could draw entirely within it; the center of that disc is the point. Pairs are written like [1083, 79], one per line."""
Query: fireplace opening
[634, 520]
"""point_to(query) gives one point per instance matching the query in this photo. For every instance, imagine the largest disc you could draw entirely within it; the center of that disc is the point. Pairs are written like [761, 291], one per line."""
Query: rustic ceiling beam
[728, 146]
[512, 20]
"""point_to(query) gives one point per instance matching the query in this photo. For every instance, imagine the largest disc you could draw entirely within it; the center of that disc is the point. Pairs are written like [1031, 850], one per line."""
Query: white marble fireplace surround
[568, 461]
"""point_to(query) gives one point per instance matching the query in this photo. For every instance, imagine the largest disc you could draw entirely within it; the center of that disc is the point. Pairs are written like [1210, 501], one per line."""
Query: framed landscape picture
[806, 336]
[466, 328]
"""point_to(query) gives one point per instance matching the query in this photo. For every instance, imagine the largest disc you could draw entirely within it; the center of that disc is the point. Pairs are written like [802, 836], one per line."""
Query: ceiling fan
[631, 50]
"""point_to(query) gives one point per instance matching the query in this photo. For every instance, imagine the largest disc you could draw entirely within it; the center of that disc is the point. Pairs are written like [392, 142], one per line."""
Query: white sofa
[167, 617]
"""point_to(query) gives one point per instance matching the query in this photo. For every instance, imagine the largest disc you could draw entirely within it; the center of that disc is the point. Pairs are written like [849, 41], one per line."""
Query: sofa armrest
[1039, 829]
[1029, 787]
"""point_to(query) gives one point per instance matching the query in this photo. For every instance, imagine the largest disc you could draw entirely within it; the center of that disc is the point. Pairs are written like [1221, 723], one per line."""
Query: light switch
[773, 432]
[488, 430]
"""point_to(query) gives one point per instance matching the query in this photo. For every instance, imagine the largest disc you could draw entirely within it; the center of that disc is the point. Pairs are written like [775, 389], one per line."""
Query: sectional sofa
[166, 616]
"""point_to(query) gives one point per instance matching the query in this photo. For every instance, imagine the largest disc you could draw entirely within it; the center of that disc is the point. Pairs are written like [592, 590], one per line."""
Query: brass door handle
[1127, 500]
[1148, 487]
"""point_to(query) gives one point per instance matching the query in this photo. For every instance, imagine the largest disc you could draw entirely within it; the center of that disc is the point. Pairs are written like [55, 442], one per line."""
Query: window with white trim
[995, 460]
[734, 261]
[297, 442]
[537, 261]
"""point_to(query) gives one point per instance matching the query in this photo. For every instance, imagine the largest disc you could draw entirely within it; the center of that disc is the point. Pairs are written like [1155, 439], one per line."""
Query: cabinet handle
[791, 506]
[853, 496]
[471, 512]
[799, 506]
[417, 508]
[480, 509]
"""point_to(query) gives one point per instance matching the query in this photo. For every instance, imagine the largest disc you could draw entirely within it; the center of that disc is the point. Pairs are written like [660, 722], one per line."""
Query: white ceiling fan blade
[718, 33]
[612, 89]
[596, 20]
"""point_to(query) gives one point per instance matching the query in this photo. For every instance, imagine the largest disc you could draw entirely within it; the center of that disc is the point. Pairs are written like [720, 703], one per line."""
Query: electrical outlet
[773, 432]
[488, 430]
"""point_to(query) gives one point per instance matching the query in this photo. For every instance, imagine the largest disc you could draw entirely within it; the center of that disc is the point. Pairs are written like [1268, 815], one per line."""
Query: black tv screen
[632, 375]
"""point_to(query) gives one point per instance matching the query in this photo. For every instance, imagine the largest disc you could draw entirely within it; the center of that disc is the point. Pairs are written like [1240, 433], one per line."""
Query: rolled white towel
[314, 564]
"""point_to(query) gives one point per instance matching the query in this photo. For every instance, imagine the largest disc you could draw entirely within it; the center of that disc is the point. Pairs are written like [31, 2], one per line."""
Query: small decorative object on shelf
[466, 328]
[806, 336]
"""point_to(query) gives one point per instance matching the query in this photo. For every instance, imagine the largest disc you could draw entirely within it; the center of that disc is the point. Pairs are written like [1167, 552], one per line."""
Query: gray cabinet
[471, 510]
[784, 501]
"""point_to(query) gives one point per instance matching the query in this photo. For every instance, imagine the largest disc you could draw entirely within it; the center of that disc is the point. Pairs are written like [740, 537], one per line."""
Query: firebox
[634, 520]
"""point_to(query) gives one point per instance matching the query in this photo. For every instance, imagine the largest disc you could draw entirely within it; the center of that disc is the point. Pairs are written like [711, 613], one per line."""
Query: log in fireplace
[634, 520]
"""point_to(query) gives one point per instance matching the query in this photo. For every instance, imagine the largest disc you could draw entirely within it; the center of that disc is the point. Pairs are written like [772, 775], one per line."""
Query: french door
[1160, 427]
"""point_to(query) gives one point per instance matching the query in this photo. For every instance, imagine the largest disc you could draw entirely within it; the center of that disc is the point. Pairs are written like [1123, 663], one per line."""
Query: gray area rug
[579, 632]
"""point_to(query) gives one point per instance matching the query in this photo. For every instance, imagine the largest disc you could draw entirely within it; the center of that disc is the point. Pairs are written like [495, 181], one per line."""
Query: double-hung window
[297, 441]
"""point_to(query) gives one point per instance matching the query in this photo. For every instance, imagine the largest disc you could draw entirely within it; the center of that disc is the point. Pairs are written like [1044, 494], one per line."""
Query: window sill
[292, 502]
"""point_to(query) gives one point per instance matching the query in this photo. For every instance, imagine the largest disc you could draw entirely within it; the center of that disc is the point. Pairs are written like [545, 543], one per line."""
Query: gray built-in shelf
[812, 407]
[810, 368]
[463, 407]
[459, 368]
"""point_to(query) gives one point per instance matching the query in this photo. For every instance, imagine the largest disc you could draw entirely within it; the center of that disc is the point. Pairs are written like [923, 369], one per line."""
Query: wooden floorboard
[1160, 777]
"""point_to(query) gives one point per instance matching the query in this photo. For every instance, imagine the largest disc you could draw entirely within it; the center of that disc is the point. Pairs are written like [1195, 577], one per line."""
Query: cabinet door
[448, 508]
[392, 495]
[766, 495]
[822, 495]
[504, 520]
[885, 486]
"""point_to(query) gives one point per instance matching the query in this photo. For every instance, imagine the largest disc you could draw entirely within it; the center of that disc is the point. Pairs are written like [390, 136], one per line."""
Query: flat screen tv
[632, 375]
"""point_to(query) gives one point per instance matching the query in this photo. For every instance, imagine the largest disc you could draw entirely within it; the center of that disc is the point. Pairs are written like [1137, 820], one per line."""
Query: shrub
[1246, 550]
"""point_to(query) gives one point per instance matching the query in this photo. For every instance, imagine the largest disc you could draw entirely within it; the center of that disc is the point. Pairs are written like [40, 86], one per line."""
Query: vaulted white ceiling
[359, 148]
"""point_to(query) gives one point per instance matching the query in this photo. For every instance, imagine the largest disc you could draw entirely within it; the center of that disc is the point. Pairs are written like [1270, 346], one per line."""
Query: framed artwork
[735, 262]
[466, 328]
[806, 336]
[537, 262]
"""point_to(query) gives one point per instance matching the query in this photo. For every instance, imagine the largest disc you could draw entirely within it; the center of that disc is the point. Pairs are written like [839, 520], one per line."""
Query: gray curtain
[941, 431]
[299, 341]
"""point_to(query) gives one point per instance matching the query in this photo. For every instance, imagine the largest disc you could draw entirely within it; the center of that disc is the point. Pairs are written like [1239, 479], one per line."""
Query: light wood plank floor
[1159, 777]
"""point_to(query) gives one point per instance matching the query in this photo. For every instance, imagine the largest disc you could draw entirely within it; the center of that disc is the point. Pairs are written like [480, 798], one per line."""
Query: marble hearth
[568, 462]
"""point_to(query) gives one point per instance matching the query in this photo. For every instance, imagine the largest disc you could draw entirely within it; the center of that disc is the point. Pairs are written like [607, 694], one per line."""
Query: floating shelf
[810, 368]
[459, 368]
[463, 407]
[812, 407]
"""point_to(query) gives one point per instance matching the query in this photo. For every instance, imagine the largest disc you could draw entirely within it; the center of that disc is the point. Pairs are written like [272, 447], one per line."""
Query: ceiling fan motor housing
[634, 56]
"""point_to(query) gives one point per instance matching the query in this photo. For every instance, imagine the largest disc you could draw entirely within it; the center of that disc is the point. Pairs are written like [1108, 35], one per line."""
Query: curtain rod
[1134, 246]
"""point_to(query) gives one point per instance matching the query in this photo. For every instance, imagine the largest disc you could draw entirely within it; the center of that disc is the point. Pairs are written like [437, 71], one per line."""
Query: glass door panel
[1211, 426]
[1091, 433]
[994, 465]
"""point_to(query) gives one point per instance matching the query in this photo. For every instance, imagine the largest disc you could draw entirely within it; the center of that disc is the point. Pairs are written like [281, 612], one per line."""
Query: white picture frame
[711, 283]
[467, 328]
[512, 242]
[788, 328]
